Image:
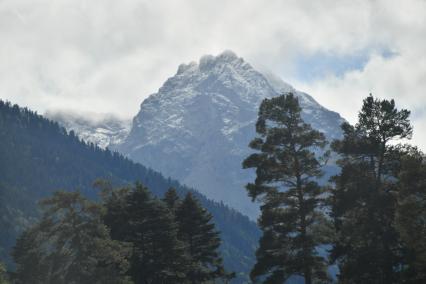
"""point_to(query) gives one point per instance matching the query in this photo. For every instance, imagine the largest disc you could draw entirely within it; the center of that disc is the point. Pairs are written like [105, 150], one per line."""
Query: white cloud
[401, 77]
[393, 78]
[109, 55]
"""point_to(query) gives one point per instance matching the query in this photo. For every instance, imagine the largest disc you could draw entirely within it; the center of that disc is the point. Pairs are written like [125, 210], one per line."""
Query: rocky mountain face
[198, 125]
[101, 129]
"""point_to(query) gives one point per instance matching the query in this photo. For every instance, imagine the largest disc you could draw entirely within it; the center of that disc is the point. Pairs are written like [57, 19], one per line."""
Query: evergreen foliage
[138, 218]
[202, 242]
[171, 199]
[131, 237]
[411, 215]
[367, 247]
[70, 244]
[287, 170]
[37, 157]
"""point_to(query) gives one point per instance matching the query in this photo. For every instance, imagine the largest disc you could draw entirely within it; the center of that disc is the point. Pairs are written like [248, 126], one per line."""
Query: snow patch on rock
[197, 127]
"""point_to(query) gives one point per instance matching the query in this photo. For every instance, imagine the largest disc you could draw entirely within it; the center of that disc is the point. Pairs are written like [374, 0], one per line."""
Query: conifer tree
[202, 241]
[367, 246]
[70, 245]
[134, 216]
[171, 199]
[287, 169]
[411, 215]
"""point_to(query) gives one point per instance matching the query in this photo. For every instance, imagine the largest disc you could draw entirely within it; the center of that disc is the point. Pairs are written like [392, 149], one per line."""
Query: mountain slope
[196, 128]
[37, 157]
[100, 129]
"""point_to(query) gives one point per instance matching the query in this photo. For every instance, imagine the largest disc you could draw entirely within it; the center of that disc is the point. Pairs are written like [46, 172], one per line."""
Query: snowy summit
[197, 127]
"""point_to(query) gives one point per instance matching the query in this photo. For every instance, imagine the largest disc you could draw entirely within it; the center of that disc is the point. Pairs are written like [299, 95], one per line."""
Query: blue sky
[319, 65]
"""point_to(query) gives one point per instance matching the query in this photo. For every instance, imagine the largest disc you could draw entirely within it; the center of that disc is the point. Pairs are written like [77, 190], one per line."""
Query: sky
[106, 56]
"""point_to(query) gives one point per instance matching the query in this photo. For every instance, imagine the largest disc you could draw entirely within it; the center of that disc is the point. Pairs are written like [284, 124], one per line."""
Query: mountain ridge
[197, 127]
[101, 129]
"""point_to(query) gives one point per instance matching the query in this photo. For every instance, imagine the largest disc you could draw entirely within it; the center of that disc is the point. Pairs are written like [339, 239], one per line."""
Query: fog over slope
[101, 129]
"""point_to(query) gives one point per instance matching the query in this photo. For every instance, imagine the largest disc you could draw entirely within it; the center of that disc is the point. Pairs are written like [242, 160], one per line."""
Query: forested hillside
[38, 157]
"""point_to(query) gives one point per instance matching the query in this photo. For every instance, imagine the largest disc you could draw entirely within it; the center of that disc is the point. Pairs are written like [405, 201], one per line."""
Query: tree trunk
[308, 277]
[306, 267]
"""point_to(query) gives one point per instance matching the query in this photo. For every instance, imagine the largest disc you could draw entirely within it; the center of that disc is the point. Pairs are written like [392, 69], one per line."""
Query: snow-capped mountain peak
[196, 128]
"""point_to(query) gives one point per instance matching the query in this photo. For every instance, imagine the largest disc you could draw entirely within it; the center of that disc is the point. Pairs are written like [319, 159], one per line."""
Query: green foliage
[131, 237]
[37, 157]
[367, 246]
[287, 169]
[411, 215]
[201, 240]
[70, 244]
[135, 217]
[171, 199]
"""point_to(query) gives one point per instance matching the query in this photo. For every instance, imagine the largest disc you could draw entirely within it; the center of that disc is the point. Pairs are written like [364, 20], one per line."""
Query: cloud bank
[107, 56]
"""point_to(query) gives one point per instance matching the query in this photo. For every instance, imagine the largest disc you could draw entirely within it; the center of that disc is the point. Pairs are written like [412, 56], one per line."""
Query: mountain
[38, 157]
[198, 125]
[100, 129]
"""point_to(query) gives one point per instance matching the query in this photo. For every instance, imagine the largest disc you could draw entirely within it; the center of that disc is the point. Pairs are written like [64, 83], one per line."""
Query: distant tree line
[128, 237]
[370, 217]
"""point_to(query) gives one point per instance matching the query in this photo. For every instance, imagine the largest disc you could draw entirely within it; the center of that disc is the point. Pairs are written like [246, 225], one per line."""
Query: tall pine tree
[287, 169]
[411, 215]
[367, 247]
[171, 199]
[202, 242]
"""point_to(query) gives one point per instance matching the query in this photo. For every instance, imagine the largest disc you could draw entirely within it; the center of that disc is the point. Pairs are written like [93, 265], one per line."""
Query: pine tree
[286, 172]
[202, 242]
[363, 200]
[69, 245]
[171, 199]
[134, 216]
[411, 215]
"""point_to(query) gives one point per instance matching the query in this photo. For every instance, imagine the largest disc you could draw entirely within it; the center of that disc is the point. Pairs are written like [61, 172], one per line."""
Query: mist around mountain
[38, 157]
[100, 129]
[198, 125]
